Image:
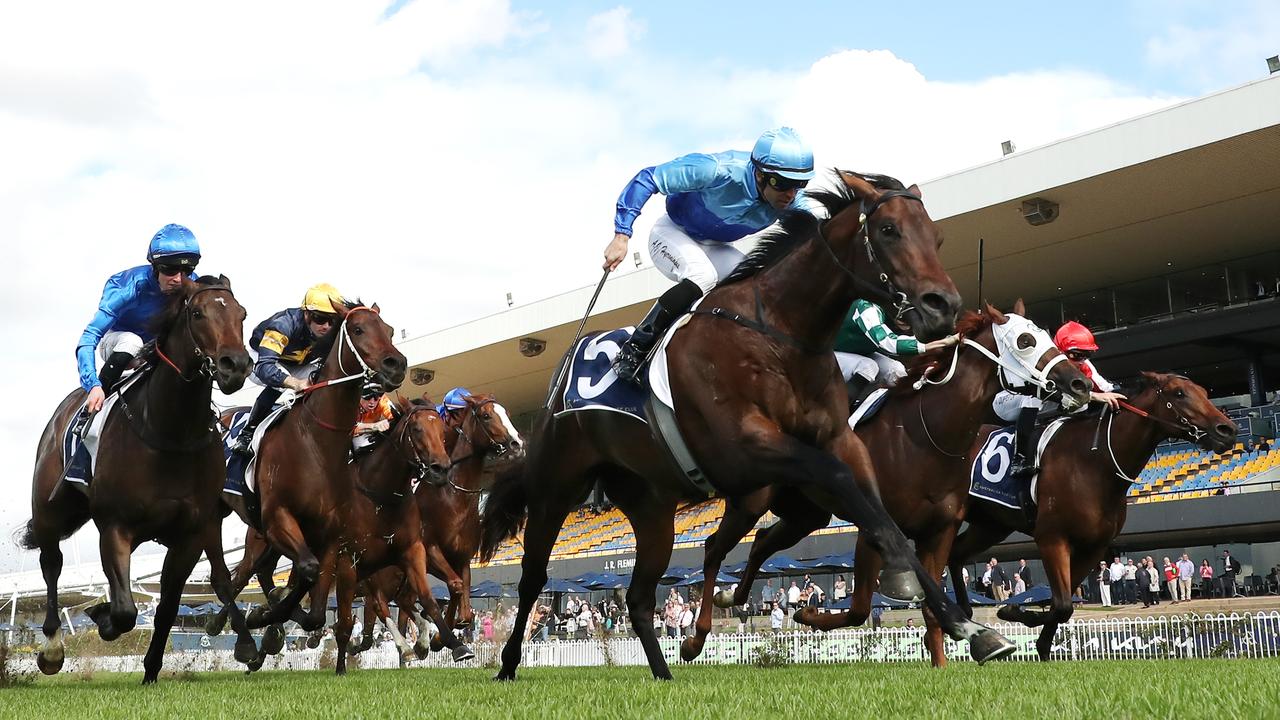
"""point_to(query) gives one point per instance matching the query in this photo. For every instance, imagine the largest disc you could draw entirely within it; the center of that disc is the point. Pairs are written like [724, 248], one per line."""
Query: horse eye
[1179, 394]
[196, 314]
[888, 229]
[1025, 341]
[357, 330]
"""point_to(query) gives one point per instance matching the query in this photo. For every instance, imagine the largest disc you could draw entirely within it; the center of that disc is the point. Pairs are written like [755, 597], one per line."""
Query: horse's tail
[25, 536]
[505, 510]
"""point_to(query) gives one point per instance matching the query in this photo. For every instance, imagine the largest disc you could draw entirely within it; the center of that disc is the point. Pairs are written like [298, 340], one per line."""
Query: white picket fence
[1187, 636]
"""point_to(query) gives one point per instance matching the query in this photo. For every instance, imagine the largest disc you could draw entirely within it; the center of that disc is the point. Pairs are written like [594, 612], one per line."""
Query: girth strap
[759, 325]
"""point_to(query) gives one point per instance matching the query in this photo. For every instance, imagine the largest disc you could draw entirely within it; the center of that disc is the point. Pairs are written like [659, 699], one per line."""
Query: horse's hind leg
[52, 655]
[976, 538]
[173, 578]
[282, 531]
[933, 552]
[1063, 571]
[739, 518]
[414, 566]
[653, 521]
[220, 578]
[119, 614]
[798, 518]
[866, 568]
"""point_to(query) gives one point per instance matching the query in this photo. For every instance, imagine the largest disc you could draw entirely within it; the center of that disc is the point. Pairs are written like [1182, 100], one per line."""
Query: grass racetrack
[1235, 688]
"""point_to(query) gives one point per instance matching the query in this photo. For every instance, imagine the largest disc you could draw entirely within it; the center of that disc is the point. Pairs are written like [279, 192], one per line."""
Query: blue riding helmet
[455, 399]
[174, 245]
[781, 152]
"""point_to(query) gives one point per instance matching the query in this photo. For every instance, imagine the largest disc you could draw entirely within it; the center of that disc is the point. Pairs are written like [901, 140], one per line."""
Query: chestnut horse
[450, 516]
[759, 401]
[1084, 477]
[158, 474]
[918, 476]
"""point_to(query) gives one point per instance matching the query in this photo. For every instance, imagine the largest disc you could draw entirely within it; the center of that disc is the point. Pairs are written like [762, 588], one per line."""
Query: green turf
[1114, 689]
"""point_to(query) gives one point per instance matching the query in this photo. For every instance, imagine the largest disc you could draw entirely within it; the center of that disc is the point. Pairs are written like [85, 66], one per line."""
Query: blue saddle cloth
[236, 464]
[78, 466]
[868, 408]
[592, 383]
[989, 477]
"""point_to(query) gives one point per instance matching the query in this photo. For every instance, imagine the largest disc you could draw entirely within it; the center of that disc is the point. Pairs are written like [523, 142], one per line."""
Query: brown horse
[1084, 476]
[758, 400]
[919, 478]
[451, 515]
[157, 476]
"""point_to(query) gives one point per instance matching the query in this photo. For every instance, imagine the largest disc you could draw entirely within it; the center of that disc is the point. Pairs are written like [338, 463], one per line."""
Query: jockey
[712, 200]
[1077, 343]
[130, 299]
[454, 401]
[376, 416]
[866, 347]
[282, 346]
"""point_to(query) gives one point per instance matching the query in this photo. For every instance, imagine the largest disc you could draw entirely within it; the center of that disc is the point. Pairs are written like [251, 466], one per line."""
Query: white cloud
[609, 34]
[1232, 48]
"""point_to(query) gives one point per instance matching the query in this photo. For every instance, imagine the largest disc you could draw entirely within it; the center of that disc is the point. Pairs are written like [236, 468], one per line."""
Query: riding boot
[670, 306]
[113, 369]
[243, 445]
[856, 388]
[1024, 456]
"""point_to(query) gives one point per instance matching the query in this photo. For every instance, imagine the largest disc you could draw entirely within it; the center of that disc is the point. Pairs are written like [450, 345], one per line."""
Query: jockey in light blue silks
[130, 300]
[712, 200]
[454, 401]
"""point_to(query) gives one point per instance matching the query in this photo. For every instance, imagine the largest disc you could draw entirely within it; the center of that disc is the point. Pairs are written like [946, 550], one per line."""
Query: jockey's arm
[870, 321]
[268, 369]
[116, 296]
[684, 174]
[1105, 392]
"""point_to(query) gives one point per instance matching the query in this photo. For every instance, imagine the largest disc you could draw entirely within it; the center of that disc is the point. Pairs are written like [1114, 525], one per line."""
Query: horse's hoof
[807, 616]
[100, 614]
[213, 626]
[149, 679]
[990, 645]
[901, 585]
[1009, 613]
[277, 595]
[245, 651]
[421, 651]
[723, 599]
[437, 643]
[255, 664]
[51, 662]
[690, 649]
[505, 676]
[255, 617]
[273, 640]
[462, 652]
[313, 641]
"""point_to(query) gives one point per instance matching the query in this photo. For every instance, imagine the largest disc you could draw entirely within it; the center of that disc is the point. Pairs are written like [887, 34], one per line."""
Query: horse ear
[427, 399]
[376, 309]
[854, 182]
[225, 281]
[1019, 308]
[998, 316]
[915, 190]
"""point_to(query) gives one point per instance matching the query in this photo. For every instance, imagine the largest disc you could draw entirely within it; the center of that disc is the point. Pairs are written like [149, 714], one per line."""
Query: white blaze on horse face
[221, 301]
[513, 435]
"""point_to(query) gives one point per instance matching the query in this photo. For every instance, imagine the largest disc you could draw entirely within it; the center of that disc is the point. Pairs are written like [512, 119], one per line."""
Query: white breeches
[877, 367]
[680, 257]
[1008, 404]
[117, 341]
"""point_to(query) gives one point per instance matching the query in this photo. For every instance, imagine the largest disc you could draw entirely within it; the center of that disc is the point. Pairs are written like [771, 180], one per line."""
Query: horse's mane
[798, 226]
[970, 323]
[165, 320]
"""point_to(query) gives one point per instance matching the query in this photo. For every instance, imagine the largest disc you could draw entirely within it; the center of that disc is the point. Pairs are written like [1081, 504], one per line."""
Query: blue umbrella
[877, 600]
[697, 579]
[837, 561]
[561, 585]
[975, 599]
[585, 578]
[184, 611]
[735, 568]
[1038, 595]
[487, 589]
[607, 581]
[676, 573]
[781, 565]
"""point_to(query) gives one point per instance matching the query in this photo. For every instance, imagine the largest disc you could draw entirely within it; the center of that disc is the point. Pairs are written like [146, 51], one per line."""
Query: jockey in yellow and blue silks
[712, 200]
[130, 300]
[282, 350]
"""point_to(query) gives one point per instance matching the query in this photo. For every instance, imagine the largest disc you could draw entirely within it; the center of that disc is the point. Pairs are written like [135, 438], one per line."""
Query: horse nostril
[1225, 430]
[935, 303]
[437, 468]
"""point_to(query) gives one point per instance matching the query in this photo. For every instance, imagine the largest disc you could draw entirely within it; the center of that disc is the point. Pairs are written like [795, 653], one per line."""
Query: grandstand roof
[1191, 184]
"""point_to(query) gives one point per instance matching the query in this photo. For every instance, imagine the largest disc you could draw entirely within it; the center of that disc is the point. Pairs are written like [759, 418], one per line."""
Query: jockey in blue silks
[454, 400]
[130, 299]
[712, 200]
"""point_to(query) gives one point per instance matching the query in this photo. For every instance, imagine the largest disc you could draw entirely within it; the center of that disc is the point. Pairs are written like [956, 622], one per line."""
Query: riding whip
[576, 337]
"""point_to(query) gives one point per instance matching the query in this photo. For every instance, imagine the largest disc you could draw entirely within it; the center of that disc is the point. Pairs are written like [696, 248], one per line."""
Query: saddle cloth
[989, 477]
[80, 450]
[592, 383]
[868, 408]
[240, 473]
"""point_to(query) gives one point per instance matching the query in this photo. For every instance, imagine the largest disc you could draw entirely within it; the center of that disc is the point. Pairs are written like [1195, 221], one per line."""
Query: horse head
[364, 340]
[1184, 408]
[488, 428]
[1029, 357]
[901, 247]
[420, 436]
[205, 314]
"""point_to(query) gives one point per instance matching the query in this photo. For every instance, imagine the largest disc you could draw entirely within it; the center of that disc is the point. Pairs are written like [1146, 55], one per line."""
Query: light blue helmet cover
[781, 151]
[175, 244]
[455, 399]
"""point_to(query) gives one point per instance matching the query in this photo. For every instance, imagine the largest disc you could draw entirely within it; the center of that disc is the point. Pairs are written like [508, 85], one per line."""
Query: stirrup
[243, 446]
[627, 364]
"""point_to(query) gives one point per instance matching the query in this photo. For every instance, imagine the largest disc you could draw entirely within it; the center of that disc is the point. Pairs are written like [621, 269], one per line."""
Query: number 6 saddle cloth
[989, 477]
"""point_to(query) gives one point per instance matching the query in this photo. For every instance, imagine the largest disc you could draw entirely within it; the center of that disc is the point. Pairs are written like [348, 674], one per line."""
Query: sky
[433, 155]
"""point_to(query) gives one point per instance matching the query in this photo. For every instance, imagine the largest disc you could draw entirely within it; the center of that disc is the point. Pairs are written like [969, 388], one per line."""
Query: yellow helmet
[321, 298]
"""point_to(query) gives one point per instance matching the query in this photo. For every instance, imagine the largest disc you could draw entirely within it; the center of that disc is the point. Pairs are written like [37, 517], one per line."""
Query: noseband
[886, 293]
[205, 365]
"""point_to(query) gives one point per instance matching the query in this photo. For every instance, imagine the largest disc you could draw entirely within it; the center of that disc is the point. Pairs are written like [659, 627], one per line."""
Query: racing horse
[450, 513]
[158, 474]
[917, 442]
[1085, 474]
[758, 400]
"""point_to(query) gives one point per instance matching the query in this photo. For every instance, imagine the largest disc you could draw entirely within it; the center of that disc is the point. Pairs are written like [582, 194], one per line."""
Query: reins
[343, 340]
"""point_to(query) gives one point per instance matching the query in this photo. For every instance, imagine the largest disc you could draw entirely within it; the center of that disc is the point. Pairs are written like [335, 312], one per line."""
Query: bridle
[1182, 428]
[885, 293]
[409, 447]
[367, 373]
[496, 448]
[205, 365]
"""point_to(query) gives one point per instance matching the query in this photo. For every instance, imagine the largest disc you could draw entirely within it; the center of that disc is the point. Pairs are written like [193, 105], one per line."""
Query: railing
[1253, 635]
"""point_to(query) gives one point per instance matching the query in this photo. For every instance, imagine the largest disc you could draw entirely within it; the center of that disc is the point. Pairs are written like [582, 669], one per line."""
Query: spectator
[1130, 582]
[776, 616]
[486, 626]
[686, 621]
[1024, 571]
[793, 595]
[877, 618]
[1117, 581]
[1019, 585]
[986, 581]
[586, 621]
[766, 595]
[744, 614]
[816, 598]
[671, 616]
[1171, 579]
[964, 574]
[999, 581]
[1153, 580]
[807, 582]
[1104, 583]
[1230, 566]
[839, 589]
[1206, 578]
[1186, 572]
[1143, 578]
